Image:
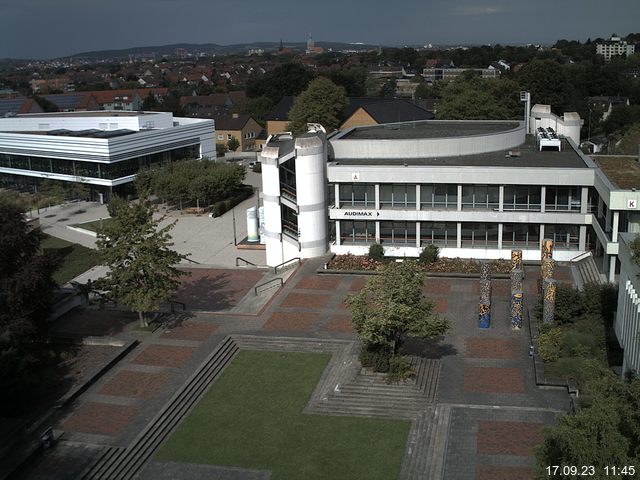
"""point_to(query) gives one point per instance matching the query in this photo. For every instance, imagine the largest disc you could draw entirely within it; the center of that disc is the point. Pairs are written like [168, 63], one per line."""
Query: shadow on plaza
[209, 292]
[431, 348]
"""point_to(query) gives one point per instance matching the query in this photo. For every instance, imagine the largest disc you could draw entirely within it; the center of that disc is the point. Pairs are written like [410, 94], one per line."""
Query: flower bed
[442, 265]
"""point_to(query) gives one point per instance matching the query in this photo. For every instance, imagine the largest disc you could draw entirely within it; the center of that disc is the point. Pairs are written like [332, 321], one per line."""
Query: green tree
[26, 288]
[258, 108]
[470, 97]
[287, 79]
[142, 267]
[547, 82]
[221, 149]
[391, 307]
[322, 102]
[233, 144]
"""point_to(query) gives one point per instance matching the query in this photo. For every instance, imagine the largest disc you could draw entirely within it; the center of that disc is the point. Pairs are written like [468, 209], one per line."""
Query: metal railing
[283, 264]
[270, 284]
[246, 262]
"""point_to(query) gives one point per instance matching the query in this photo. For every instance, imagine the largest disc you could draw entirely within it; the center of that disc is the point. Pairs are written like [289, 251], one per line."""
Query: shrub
[429, 254]
[257, 167]
[549, 343]
[399, 369]
[376, 357]
[569, 304]
[376, 252]
[223, 206]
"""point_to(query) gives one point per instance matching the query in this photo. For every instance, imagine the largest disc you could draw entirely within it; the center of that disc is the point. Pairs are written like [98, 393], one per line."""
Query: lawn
[76, 259]
[95, 224]
[252, 418]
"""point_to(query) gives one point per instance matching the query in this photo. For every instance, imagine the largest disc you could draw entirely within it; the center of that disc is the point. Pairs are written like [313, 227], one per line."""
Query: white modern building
[477, 189]
[613, 47]
[103, 149]
[627, 321]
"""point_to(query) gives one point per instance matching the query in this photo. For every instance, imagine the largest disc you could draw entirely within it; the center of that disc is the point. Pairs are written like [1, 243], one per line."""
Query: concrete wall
[428, 147]
[627, 322]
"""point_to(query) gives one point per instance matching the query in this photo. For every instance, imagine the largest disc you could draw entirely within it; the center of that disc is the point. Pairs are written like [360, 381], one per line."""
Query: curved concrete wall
[311, 160]
[428, 147]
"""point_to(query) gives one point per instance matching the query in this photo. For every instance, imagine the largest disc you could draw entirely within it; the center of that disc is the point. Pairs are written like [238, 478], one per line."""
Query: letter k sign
[632, 203]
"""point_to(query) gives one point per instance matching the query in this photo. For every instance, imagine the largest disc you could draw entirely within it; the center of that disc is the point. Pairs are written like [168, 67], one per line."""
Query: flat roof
[429, 129]
[90, 133]
[89, 113]
[623, 172]
[529, 156]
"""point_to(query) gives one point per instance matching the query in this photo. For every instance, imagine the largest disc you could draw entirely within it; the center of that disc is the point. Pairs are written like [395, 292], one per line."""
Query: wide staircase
[369, 394]
[117, 463]
[426, 445]
[587, 269]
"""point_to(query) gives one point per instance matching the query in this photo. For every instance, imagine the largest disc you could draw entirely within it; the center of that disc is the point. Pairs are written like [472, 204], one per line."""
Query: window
[398, 233]
[357, 231]
[522, 197]
[220, 137]
[565, 237]
[439, 196]
[479, 235]
[441, 234]
[480, 197]
[357, 195]
[520, 235]
[562, 199]
[229, 136]
[397, 196]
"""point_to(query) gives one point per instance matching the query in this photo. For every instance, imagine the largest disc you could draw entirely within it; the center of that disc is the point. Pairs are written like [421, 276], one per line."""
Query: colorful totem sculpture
[549, 301]
[485, 271]
[484, 306]
[516, 260]
[546, 269]
[516, 309]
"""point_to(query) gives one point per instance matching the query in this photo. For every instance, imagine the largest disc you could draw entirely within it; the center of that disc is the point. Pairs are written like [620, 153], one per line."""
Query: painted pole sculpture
[516, 309]
[516, 260]
[484, 306]
[485, 271]
[547, 267]
[549, 302]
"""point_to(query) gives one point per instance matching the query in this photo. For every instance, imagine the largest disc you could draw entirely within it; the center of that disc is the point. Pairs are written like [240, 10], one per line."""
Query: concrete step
[364, 412]
[589, 271]
[125, 464]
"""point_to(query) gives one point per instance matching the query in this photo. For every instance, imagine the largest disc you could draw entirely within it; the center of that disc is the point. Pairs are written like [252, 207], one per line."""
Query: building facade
[627, 321]
[102, 149]
[613, 47]
[477, 189]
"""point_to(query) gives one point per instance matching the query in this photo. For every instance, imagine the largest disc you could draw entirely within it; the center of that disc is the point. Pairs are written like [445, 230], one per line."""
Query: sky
[57, 28]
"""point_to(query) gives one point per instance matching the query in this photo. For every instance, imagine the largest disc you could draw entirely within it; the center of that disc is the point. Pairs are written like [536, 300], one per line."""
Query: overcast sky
[54, 28]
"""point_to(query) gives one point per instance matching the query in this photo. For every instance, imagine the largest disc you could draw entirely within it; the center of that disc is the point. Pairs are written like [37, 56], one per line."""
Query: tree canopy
[287, 79]
[322, 102]
[192, 181]
[392, 306]
[470, 97]
[142, 266]
[26, 288]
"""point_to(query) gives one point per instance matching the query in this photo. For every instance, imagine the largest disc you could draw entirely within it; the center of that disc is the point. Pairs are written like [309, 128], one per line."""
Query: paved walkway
[486, 416]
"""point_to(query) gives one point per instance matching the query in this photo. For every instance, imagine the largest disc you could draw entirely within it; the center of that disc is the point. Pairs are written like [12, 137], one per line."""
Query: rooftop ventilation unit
[547, 138]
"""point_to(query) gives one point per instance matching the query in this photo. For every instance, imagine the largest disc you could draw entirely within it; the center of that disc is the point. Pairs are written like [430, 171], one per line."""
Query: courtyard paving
[486, 376]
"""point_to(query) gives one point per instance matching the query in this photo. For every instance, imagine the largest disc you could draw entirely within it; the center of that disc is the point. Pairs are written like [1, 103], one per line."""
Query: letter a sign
[632, 203]
[355, 177]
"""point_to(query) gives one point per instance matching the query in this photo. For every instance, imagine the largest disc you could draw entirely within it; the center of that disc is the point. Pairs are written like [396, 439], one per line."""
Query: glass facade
[107, 171]
[357, 195]
[357, 232]
[480, 197]
[397, 196]
[479, 235]
[520, 235]
[565, 237]
[439, 196]
[441, 234]
[522, 197]
[398, 233]
[562, 199]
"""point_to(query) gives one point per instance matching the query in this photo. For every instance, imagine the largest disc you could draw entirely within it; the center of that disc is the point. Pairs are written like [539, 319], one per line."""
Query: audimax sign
[360, 213]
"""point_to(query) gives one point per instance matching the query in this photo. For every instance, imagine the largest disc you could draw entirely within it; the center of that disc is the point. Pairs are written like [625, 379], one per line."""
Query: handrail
[247, 262]
[275, 269]
[172, 301]
[192, 261]
[278, 279]
[582, 256]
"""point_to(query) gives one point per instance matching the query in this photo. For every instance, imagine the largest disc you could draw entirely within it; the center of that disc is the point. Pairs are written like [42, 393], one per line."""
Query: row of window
[445, 197]
[474, 235]
[108, 171]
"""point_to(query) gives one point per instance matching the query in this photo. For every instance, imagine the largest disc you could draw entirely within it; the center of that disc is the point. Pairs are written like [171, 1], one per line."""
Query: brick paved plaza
[486, 376]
